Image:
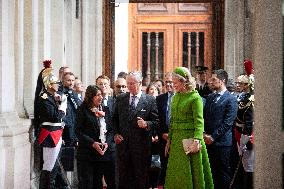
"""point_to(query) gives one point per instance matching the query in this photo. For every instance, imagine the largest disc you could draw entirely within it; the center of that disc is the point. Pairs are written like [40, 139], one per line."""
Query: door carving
[163, 36]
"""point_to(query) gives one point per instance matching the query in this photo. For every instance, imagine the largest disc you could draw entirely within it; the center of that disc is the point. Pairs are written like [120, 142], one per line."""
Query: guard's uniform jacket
[244, 121]
[51, 121]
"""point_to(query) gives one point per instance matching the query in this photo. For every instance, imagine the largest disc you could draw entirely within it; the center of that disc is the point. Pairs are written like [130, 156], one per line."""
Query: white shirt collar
[222, 92]
[137, 96]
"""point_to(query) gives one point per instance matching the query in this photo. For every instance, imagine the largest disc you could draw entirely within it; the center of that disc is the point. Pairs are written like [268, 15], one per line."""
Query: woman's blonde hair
[184, 75]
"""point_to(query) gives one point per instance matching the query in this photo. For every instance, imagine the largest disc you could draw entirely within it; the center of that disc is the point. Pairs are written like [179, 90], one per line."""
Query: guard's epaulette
[251, 98]
[44, 96]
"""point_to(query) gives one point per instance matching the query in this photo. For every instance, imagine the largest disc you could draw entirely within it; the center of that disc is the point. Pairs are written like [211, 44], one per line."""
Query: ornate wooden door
[163, 36]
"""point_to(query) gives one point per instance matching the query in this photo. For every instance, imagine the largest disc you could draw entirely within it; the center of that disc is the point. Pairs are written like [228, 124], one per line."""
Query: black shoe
[44, 181]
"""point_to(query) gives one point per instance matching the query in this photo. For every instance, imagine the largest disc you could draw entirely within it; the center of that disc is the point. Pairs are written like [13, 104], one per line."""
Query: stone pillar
[72, 36]
[234, 37]
[91, 40]
[121, 38]
[14, 138]
[268, 55]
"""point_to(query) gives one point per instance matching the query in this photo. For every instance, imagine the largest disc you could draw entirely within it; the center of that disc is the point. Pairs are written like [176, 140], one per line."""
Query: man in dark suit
[104, 84]
[120, 86]
[135, 114]
[201, 81]
[73, 102]
[163, 105]
[220, 112]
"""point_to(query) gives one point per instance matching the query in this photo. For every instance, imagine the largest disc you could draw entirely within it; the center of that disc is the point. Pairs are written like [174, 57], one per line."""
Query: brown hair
[102, 77]
[91, 91]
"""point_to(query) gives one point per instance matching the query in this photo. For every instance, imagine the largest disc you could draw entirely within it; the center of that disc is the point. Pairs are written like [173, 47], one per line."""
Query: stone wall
[30, 31]
[237, 36]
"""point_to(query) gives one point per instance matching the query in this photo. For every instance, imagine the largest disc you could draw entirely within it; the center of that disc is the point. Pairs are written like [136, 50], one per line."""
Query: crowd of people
[181, 132]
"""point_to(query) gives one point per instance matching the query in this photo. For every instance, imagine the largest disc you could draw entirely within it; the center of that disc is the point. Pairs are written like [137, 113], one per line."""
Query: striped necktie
[132, 105]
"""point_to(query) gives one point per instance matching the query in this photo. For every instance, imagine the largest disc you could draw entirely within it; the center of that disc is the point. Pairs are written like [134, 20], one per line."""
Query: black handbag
[155, 162]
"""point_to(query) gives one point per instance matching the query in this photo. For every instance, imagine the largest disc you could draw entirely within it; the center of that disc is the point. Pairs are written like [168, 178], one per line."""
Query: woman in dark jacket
[96, 145]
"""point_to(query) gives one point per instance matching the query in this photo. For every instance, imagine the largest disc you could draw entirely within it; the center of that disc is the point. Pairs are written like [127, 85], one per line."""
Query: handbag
[190, 146]
[155, 161]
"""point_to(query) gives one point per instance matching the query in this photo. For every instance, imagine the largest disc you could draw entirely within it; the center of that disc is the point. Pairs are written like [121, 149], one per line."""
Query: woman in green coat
[187, 171]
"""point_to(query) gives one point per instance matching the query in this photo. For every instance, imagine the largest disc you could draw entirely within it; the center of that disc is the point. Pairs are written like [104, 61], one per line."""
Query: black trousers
[90, 174]
[220, 162]
[164, 162]
[133, 166]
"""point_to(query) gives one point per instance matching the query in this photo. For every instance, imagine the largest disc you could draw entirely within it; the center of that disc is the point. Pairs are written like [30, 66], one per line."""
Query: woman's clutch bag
[191, 146]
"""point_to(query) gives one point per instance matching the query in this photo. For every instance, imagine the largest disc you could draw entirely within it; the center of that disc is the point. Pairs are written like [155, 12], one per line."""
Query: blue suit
[162, 103]
[219, 116]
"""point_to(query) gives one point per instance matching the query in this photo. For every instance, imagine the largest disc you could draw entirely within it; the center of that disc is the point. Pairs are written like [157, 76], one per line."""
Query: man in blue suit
[163, 105]
[219, 114]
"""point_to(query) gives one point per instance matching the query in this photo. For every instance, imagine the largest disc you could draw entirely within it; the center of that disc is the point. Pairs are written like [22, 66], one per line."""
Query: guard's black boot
[44, 181]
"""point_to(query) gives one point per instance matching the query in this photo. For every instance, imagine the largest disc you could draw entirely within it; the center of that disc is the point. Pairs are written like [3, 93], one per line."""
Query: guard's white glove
[63, 104]
[243, 141]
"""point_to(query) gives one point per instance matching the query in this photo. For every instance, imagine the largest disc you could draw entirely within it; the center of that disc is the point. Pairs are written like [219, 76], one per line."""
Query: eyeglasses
[170, 82]
[120, 86]
[103, 84]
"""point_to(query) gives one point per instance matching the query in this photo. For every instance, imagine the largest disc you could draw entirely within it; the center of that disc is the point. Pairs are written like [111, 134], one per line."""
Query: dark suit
[91, 165]
[110, 104]
[219, 117]
[73, 102]
[134, 151]
[162, 103]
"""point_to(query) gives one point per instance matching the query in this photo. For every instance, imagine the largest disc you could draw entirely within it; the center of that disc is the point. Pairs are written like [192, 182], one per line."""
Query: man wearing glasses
[120, 86]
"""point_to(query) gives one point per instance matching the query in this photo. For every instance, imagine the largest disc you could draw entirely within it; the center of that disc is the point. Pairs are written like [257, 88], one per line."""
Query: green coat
[192, 171]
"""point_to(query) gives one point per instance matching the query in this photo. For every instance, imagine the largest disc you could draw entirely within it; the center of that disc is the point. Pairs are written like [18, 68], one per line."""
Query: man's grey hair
[136, 74]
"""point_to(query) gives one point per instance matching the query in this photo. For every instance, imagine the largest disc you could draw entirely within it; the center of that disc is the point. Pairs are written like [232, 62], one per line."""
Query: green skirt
[187, 171]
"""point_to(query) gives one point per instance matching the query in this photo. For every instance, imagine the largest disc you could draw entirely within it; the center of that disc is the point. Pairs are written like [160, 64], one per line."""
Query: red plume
[248, 67]
[47, 63]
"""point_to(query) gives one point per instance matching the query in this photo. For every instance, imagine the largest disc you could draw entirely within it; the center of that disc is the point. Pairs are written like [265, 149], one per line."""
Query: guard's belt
[53, 124]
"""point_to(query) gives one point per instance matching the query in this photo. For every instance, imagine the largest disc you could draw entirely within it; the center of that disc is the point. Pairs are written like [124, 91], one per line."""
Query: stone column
[234, 37]
[268, 55]
[121, 38]
[91, 40]
[72, 36]
[14, 138]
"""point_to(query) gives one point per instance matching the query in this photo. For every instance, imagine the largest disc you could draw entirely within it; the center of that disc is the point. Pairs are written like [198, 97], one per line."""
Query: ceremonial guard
[244, 125]
[52, 109]
[39, 89]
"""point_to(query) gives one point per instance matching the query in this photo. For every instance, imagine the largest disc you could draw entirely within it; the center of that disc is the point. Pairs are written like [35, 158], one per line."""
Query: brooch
[44, 96]
[98, 113]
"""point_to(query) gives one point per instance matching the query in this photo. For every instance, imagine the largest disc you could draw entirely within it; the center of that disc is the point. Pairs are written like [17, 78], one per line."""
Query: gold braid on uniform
[247, 103]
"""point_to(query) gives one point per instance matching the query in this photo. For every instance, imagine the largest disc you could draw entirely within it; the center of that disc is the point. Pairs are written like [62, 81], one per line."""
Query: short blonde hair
[184, 75]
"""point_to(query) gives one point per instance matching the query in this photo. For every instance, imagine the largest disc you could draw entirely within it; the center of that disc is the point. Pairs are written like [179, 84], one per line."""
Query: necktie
[216, 97]
[133, 102]
[168, 113]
